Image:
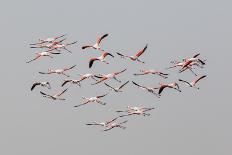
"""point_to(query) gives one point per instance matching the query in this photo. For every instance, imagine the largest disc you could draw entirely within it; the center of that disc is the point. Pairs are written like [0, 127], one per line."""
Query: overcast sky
[192, 122]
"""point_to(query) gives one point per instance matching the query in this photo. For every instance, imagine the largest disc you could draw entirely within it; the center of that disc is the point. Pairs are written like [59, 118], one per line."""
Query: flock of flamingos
[55, 45]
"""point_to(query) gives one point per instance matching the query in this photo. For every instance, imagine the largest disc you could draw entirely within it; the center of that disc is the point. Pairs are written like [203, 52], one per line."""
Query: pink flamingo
[101, 58]
[134, 57]
[97, 44]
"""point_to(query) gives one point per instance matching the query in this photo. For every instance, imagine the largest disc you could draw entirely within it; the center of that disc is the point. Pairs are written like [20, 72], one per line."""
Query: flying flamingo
[136, 111]
[134, 57]
[149, 89]
[103, 123]
[195, 59]
[54, 97]
[58, 71]
[112, 125]
[171, 85]
[63, 46]
[49, 40]
[194, 82]
[117, 89]
[101, 58]
[92, 99]
[42, 54]
[83, 77]
[109, 124]
[97, 44]
[43, 84]
[151, 71]
[108, 76]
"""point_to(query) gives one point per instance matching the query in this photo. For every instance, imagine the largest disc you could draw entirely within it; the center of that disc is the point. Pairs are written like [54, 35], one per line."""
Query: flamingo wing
[102, 95]
[109, 86]
[35, 84]
[91, 62]
[37, 57]
[100, 38]
[196, 55]
[123, 84]
[140, 52]
[87, 46]
[62, 92]
[197, 80]
[69, 68]
[65, 82]
[185, 82]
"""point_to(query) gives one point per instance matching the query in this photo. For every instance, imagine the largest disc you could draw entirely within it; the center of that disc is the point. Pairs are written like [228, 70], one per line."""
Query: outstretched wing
[111, 120]
[185, 82]
[35, 84]
[109, 86]
[62, 92]
[109, 54]
[197, 80]
[91, 62]
[123, 85]
[196, 55]
[37, 57]
[87, 46]
[102, 79]
[161, 90]
[100, 39]
[120, 72]
[138, 85]
[102, 95]
[140, 52]
[69, 68]
[43, 73]
[71, 43]
[66, 81]
[123, 56]
[44, 93]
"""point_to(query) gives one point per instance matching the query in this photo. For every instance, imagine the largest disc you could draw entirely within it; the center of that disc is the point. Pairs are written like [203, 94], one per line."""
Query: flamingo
[83, 77]
[63, 46]
[49, 40]
[117, 89]
[108, 76]
[112, 125]
[171, 85]
[102, 123]
[92, 99]
[101, 58]
[86, 76]
[149, 89]
[151, 71]
[58, 71]
[136, 111]
[195, 59]
[43, 84]
[54, 97]
[194, 82]
[134, 57]
[97, 44]
[42, 54]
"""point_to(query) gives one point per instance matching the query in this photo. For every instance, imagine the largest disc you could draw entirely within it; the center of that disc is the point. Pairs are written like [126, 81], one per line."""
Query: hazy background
[192, 122]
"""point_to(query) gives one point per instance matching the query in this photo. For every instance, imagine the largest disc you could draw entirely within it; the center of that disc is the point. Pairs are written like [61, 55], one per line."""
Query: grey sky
[192, 122]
